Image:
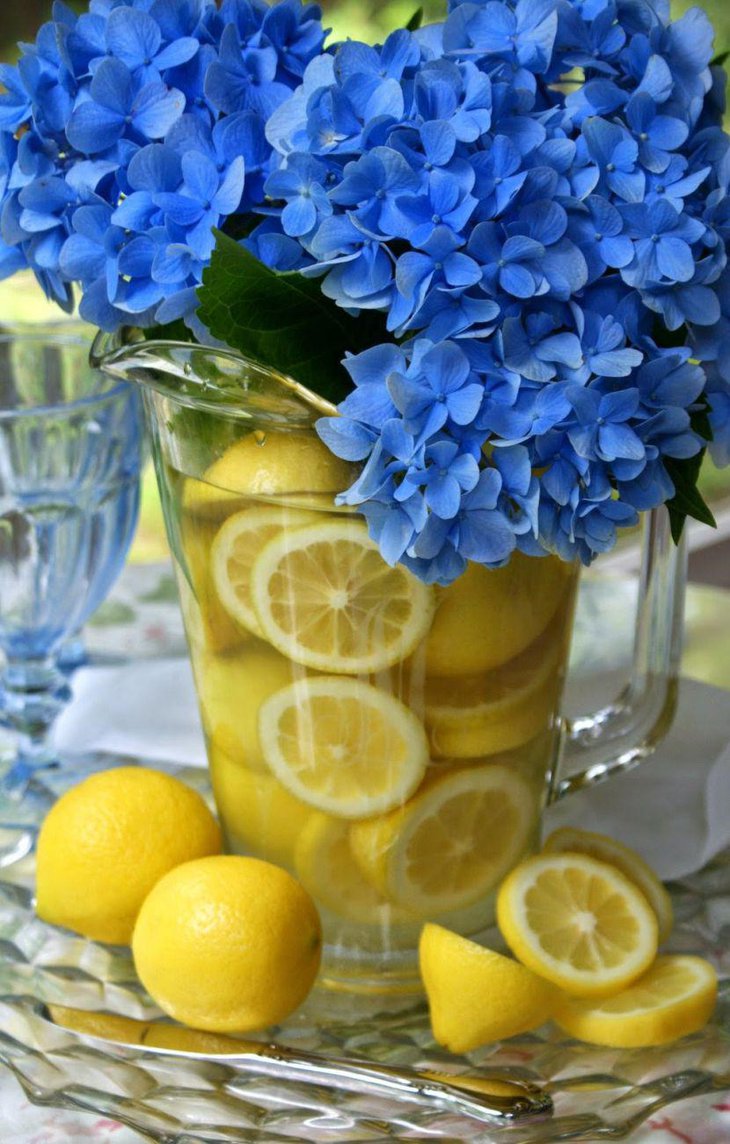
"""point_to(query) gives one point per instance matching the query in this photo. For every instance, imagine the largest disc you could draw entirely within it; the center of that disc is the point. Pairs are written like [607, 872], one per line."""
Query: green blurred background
[371, 21]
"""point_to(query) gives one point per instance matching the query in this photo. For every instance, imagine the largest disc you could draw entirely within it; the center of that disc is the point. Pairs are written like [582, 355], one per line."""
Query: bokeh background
[368, 20]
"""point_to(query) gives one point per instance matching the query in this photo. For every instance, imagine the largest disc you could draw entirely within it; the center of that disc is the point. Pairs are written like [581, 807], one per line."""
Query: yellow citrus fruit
[227, 944]
[259, 815]
[625, 859]
[235, 548]
[208, 624]
[676, 996]
[231, 690]
[578, 922]
[500, 710]
[452, 842]
[489, 615]
[325, 598]
[268, 465]
[343, 746]
[325, 864]
[108, 840]
[476, 995]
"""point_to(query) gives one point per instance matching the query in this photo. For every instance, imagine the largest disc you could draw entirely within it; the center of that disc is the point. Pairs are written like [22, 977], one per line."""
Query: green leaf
[283, 321]
[720, 60]
[415, 21]
[687, 499]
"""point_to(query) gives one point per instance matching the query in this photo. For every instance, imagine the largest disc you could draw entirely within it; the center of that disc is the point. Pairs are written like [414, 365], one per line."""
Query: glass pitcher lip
[172, 368]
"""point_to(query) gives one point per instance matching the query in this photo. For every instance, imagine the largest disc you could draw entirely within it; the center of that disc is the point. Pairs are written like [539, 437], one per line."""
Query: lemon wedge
[625, 859]
[325, 598]
[675, 997]
[578, 922]
[343, 746]
[476, 995]
[450, 844]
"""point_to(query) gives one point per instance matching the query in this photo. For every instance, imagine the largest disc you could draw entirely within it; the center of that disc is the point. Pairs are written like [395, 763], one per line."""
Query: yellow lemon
[326, 866]
[325, 598]
[625, 859]
[343, 746]
[452, 842]
[578, 922]
[489, 615]
[227, 944]
[500, 710]
[208, 624]
[235, 548]
[259, 815]
[231, 690]
[107, 841]
[268, 465]
[476, 995]
[676, 996]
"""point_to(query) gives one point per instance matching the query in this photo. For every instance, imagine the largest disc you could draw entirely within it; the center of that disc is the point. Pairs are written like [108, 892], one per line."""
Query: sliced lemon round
[500, 710]
[452, 843]
[326, 867]
[675, 997]
[325, 598]
[625, 859]
[343, 746]
[268, 464]
[237, 544]
[578, 922]
[231, 689]
[476, 995]
[208, 624]
[259, 815]
[490, 615]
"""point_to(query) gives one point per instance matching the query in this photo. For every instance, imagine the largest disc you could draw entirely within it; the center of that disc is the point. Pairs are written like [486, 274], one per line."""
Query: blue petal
[156, 108]
[93, 128]
[132, 36]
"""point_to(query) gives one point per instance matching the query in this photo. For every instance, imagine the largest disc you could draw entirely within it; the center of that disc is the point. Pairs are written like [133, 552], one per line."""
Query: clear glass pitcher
[390, 743]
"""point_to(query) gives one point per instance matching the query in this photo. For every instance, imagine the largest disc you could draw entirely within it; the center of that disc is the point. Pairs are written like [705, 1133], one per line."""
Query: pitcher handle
[619, 736]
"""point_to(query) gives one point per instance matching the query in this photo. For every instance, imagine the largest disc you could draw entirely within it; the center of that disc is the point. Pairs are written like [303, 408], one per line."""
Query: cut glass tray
[190, 1099]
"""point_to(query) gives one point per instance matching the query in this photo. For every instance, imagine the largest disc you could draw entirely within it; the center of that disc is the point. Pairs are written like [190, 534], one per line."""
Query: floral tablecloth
[141, 619]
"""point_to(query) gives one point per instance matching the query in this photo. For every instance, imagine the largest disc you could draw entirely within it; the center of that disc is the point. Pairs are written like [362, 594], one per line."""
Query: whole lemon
[107, 841]
[228, 944]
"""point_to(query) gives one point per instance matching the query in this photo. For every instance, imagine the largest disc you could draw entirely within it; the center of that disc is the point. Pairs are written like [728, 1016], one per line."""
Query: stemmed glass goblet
[70, 448]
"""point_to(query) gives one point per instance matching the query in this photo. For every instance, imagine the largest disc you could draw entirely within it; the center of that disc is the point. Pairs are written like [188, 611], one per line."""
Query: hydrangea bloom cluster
[535, 194]
[129, 132]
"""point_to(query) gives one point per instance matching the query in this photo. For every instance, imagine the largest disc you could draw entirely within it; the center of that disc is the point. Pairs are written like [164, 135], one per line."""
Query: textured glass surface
[181, 1099]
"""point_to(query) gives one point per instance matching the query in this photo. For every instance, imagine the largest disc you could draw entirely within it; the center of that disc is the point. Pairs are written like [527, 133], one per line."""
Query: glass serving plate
[185, 1098]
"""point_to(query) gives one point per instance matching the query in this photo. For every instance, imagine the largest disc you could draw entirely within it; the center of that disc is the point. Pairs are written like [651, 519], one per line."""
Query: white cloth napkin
[674, 809]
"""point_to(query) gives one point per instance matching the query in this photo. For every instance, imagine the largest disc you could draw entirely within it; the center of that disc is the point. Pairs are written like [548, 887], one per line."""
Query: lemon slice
[342, 745]
[476, 995]
[452, 843]
[578, 922]
[235, 548]
[325, 598]
[265, 465]
[489, 615]
[625, 859]
[231, 689]
[472, 716]
[258, 814]
[325, 866]
[675, 997]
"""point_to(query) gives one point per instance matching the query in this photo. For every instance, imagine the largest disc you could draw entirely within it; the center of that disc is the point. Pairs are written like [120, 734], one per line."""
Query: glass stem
[32, 693]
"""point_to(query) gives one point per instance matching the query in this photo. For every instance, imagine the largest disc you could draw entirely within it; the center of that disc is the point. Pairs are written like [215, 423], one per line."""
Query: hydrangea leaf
[282, 320]
[687, 499]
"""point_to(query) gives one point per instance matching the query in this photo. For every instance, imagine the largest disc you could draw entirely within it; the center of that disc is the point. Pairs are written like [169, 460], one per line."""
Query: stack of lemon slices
[584, 919]
[353, 713]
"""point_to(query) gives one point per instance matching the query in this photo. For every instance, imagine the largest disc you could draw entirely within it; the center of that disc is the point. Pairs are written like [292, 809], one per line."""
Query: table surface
[141, 619]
